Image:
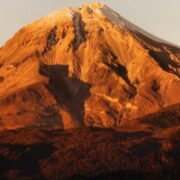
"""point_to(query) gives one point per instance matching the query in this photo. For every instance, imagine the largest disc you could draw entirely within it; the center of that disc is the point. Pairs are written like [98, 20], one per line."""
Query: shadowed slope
[56, 104]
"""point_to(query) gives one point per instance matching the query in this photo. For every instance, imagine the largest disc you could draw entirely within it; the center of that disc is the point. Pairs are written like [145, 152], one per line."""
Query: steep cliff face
[85, 66]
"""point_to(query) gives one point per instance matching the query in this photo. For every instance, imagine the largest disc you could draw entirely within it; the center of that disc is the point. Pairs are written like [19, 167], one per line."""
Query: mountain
[85, 66]
[86, 94]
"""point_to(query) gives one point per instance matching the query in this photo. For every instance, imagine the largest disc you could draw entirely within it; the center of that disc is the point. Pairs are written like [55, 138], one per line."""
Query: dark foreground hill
[89, 153]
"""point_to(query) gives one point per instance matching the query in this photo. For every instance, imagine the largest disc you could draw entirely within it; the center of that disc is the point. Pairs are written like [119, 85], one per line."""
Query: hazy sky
[160, 17]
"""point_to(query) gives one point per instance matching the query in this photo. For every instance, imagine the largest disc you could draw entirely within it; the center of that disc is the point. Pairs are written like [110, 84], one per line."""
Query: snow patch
[65, 13]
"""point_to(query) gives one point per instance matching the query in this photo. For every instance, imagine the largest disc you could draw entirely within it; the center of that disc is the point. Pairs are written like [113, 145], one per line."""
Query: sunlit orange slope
[85, 66]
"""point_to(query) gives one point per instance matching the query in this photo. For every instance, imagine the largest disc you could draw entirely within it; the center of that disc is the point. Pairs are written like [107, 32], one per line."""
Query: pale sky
[159, 17]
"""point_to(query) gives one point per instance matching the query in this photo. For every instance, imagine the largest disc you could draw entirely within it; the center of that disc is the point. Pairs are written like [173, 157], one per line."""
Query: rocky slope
[85, 66]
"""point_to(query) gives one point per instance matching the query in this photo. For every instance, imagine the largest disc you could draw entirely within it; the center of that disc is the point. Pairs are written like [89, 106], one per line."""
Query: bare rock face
[85, 66]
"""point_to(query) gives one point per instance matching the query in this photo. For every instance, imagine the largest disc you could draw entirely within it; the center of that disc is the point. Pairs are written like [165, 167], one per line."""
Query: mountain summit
[85, 66]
